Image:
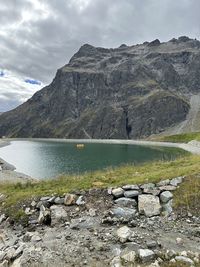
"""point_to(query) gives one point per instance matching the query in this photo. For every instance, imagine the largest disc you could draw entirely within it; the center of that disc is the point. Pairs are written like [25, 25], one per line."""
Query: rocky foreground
[133, 225]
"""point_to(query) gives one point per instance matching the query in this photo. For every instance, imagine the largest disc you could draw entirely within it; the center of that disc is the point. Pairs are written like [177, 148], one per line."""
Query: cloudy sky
[39, 36]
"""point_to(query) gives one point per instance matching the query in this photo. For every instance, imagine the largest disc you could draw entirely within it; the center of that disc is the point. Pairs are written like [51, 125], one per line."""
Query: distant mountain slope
[126, 92]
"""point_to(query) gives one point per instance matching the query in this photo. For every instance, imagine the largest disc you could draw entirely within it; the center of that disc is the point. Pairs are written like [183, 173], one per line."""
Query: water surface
[42, 159]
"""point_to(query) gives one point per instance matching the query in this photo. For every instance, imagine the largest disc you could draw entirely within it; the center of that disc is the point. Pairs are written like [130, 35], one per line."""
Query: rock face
[126, 92]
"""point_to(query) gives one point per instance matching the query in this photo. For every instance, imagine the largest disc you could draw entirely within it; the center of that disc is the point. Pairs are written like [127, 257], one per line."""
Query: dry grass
[148, 172]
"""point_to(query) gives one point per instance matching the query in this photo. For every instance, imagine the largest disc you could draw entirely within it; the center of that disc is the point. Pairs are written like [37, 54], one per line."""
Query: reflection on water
[41, 159]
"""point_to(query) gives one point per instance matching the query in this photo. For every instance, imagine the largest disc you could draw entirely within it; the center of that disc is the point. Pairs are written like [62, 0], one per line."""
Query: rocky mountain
[126, 92]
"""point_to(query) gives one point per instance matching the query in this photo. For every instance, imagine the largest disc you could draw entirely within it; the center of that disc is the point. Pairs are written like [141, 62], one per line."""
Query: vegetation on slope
[180, 138]
[148, 172]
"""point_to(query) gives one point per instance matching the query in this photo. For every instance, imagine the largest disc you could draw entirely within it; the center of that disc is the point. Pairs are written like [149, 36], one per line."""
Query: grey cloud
[37, 47]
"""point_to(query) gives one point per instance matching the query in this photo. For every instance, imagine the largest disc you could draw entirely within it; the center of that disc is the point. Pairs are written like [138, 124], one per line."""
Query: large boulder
[58, 214]
[149, 205]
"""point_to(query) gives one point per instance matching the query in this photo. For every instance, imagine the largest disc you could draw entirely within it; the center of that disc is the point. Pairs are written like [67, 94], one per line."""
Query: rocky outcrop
[126, 92]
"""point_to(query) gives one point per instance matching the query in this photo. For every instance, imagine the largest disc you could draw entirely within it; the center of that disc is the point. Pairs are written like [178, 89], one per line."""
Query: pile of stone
[148, 199]
[153, 255]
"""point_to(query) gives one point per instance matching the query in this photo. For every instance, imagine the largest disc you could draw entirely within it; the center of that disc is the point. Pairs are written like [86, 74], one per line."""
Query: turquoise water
[42, 159]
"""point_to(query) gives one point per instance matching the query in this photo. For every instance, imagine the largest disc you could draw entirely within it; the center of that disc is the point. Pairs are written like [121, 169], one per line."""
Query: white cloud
[14, 90]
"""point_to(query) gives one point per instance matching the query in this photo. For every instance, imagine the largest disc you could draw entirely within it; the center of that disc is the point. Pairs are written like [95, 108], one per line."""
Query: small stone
[36, 238]
[59, 200]
[167, 207]
[130, 187]
[118, 192]
[80, 201]
[146, 255]
[179, 241]
[176, 181]
[92, 212]
[44, 198]
[148, 186]
[124, 233]
[33, 204]
[151, 244]
[154, 192]
[70, 199]
[126, 202]
[184, 260]
[167, 188]
[163, 183]
[166, 196]
[129, 257]
[116, 262]
[131, 193]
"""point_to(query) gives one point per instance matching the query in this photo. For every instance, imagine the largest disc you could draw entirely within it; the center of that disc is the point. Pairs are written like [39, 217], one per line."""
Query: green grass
[190, 195]
[180, 138]
[148, 172]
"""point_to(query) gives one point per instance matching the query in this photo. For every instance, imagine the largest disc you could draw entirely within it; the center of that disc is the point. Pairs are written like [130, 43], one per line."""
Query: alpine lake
[46, 159]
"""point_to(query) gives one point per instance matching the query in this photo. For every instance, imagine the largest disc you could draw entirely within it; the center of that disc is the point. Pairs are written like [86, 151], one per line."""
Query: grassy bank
[148, 172]
[179, 138]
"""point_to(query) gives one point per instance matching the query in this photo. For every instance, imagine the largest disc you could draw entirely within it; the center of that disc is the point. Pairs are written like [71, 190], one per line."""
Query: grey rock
[185, 260]
[166, 196]
[131, 187]
[167, 207]
[92, 212]
[148, 186]
[44, 216]
[151, 244]
[59, 201]
[85, 222]
[129, 257]
[146, 255]
[154, 192]
[167, 188]
[126, 202]
[58, 214]
[149, 205]
[124, 233]
[80, 201]
[125, 213]
[36, 238]
[131, 193]
[163, 183]
[44, 198]
[116, 262]
[176, 181]
[118, 192]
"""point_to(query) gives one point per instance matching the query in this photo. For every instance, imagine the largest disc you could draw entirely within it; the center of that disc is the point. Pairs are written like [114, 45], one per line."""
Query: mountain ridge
[126, 92]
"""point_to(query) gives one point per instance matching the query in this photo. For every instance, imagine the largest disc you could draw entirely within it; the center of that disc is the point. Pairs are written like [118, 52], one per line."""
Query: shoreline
[8, 173]
[193, 148]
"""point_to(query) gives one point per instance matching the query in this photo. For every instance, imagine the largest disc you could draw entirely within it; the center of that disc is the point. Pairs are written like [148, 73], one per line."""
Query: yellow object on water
[80, 145]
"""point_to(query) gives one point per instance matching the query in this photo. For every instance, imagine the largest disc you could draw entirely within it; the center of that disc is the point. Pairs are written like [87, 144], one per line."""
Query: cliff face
[127, 92]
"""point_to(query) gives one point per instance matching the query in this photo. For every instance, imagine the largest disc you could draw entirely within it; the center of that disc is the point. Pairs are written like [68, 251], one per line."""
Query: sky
[39, 36]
